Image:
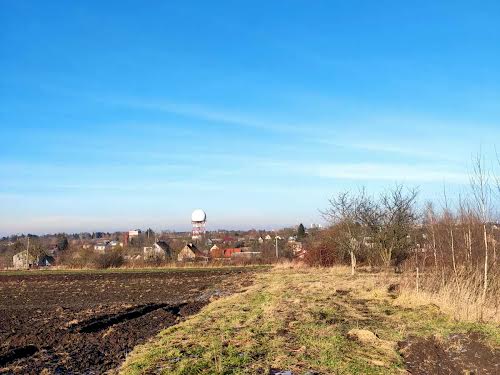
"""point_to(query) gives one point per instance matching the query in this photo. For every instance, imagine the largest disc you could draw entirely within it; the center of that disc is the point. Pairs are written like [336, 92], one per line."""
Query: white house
[19, 260]
[133, 233]
[23, 260]
[114, 244]
[102, 246]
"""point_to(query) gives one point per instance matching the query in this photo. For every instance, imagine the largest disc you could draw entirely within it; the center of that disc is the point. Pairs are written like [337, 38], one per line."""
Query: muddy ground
[458, 354]
[87, 323]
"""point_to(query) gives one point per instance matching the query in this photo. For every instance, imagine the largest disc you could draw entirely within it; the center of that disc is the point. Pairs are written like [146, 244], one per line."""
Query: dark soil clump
[458, 354]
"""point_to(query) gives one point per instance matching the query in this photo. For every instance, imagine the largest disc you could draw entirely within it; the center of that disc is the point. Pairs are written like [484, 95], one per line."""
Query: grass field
[304, 320]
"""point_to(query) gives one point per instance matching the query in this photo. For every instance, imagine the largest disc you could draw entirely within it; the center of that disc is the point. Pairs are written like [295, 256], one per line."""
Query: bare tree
[380, 225]
[430, 220]
[397, 220]
[450, 223]
[497, 180]
[480, 184]
[343, 212]
[466, 221]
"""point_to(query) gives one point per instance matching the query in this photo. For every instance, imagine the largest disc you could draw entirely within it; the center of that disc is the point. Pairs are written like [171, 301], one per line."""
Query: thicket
[446, 252]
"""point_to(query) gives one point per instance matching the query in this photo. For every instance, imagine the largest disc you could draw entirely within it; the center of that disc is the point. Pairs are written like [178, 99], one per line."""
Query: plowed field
[87, 322]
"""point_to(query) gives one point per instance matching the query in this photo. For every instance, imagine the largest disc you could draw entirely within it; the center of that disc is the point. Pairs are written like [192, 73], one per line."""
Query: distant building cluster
[136, 245]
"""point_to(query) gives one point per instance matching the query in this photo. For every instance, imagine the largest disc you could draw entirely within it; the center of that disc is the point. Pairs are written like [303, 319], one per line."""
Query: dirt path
[89, 322]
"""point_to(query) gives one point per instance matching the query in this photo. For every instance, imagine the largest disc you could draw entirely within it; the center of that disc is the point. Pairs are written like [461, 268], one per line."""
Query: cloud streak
[396, 173]
[204, 113]
[389, 148]
[422, 173]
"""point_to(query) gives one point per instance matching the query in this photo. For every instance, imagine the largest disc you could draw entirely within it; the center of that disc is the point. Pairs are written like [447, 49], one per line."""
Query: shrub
[111, 259]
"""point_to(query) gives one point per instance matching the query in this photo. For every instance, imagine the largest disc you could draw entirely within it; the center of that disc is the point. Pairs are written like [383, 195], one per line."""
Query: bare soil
[87, 323]
[458, 354]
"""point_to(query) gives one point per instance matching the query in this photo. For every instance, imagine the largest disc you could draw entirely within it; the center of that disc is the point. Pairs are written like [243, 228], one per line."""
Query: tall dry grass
[460, 295]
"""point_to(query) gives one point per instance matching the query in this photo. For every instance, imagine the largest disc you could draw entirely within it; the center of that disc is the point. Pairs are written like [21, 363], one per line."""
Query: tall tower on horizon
[198, 220]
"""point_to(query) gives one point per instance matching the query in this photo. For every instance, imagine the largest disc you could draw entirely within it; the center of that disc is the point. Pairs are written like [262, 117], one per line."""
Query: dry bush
[323, 250]
[112, 259]
[321, 255]
[77, 258]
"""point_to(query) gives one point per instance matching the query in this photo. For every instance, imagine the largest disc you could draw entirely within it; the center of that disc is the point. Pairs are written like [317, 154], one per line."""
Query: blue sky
[117, 115]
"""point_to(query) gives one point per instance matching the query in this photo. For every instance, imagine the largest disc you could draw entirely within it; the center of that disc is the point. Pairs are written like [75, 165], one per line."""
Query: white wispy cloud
[394, 172]
[202, 112]
[421, 173]
[402, 148]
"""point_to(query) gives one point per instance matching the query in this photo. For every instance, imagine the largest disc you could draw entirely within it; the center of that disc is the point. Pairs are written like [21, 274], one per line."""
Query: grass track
[295, 319]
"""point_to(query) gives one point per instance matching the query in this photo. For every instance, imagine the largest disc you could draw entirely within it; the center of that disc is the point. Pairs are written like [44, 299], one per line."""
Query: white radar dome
[198, 216]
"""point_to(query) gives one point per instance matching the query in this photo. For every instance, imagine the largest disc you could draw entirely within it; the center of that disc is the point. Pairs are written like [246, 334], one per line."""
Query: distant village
[148, 248]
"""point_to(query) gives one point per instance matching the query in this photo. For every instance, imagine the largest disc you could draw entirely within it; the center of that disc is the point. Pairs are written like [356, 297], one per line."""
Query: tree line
[392, 229]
